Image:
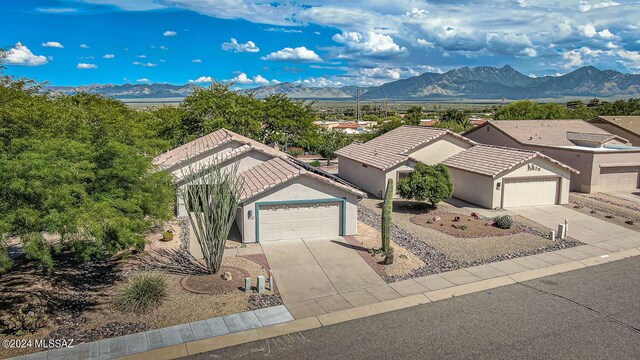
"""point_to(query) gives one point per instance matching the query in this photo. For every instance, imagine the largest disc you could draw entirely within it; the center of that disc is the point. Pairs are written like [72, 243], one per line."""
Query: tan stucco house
[627, 127]
[281, 197]
[394, 155]
[489, 176]
[605, 161]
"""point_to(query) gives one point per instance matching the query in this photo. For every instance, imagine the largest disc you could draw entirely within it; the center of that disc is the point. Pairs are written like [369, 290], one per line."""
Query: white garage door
[298, 221]
[530, 192]
[619, 178]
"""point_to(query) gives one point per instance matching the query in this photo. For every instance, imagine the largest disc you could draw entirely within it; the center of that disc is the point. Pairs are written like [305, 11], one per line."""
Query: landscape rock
[227, 276]
[437, 218]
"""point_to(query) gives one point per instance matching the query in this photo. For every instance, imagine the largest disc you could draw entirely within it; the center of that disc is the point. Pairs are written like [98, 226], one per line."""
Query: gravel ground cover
[608, 208]
[441, 252]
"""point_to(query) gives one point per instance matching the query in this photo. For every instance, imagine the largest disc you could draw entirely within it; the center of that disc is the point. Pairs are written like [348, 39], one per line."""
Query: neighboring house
[281, 197]
[627, 127]
[605, 161]
[394, 155]
[501, 177]
[489, 176]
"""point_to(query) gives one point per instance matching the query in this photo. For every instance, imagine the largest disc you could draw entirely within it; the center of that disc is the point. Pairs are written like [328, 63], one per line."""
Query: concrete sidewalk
[582, 227]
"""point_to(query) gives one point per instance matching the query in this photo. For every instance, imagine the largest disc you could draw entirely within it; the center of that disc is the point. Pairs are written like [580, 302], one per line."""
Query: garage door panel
[297, 221]
[619, 178]
[530, 192]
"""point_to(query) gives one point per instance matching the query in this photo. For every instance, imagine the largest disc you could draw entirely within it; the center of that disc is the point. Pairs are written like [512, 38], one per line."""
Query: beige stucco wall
[626, 159]
[481, 190]
[439, 149]
[244, 162]
[368, 178]
[474, 188]
[302, 188]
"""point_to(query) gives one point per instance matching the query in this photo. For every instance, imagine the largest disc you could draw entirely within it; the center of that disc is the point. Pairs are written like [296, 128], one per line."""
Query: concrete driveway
[582, 227]
[317, 268]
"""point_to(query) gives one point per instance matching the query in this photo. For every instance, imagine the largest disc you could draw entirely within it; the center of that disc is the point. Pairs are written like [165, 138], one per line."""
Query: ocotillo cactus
[387, 209]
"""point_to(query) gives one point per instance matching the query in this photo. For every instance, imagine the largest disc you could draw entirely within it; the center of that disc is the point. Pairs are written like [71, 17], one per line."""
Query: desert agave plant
[211, 195]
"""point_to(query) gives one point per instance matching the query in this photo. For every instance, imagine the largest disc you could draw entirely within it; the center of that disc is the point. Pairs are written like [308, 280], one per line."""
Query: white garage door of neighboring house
[298, 221]
[529, 192]
[619, 178]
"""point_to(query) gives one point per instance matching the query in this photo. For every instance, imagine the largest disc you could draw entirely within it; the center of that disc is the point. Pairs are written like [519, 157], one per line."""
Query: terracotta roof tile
[492, 160]
[545, 132]
[394, 147]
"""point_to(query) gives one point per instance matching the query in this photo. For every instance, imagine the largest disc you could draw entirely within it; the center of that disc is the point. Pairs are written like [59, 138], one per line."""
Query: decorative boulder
[437, 218]
[475, 215]
[489, 223]
[227, 276]
[629, 222]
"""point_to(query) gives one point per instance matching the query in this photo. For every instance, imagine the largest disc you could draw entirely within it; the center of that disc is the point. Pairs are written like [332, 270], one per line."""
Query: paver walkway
[313, 275]
[582, 227]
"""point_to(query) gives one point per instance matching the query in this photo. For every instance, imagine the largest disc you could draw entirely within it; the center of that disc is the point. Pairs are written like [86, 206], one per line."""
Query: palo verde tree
[330, 141]
[427, 183]
[211, 195]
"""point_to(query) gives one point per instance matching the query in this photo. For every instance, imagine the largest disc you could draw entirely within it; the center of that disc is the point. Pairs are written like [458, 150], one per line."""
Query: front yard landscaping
[609, 208]
[79, 300]
[441, 249]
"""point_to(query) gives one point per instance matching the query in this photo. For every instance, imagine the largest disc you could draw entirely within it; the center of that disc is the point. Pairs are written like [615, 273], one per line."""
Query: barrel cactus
[503, 222]
[387, 210]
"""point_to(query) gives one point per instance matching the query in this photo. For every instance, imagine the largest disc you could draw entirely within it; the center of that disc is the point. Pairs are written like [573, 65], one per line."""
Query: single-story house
[501, 177]
[394, 155]
[281, 197]
[605, 161]
[489, 176]
[627, 127]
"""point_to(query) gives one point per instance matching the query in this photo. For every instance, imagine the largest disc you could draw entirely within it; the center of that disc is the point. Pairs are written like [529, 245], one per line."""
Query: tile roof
[545, 132]
[393, 147]
[276, 171]
[629, 123]
[492, 160]
[175, 157]
[589, 137]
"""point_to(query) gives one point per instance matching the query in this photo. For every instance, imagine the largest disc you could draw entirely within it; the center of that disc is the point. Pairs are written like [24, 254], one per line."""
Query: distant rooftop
[629, 123]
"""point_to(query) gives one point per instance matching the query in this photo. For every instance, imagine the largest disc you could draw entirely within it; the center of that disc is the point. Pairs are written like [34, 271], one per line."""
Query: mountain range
[481, 82]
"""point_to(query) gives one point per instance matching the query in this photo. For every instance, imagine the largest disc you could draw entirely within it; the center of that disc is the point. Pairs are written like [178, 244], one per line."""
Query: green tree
[414, 115]
[427, 183]
[330, 141]
[78, 168]
[287, 122]
[454, 120]
[527, 109]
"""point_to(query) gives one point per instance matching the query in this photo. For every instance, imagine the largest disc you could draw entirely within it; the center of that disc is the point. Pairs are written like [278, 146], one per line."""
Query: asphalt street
[592, 313]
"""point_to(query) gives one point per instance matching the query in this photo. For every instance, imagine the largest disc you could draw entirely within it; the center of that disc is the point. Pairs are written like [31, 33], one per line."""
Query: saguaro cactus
[387, 210]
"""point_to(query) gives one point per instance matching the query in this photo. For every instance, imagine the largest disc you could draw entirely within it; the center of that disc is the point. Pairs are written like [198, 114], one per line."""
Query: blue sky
[318, 43]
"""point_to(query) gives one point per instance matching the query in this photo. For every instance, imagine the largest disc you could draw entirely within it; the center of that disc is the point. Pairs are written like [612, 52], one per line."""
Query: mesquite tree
[211, 195]
[387, 210]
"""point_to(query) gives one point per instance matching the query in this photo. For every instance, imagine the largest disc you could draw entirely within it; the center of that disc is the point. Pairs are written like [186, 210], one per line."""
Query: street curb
[220, 342]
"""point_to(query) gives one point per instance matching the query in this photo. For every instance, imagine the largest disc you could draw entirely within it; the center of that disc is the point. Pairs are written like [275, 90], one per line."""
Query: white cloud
[234, 46]
[86, 66]
[144, 64]
[368, 44]
[589, 30]
[275, 82]
[161, 47]
[108, 56]
[84, 46]
[587, 6]
[21, 55]
[242, 78]
[258, 79]
[606, 34]
[169, 33]
[141, 56]
[197, 61]
[201, 80]
[53, 44]
[143, 80]
[57, 10]
[299, 54]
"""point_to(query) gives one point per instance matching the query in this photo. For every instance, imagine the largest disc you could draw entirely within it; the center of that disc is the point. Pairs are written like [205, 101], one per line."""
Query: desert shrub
[296, 151]
[167, 235]
[503, 222]
[315, 163]
[144, 291]
[29, 318]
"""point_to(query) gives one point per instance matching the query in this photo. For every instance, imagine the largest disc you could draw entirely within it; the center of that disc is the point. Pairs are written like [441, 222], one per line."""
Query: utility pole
[357, 105]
